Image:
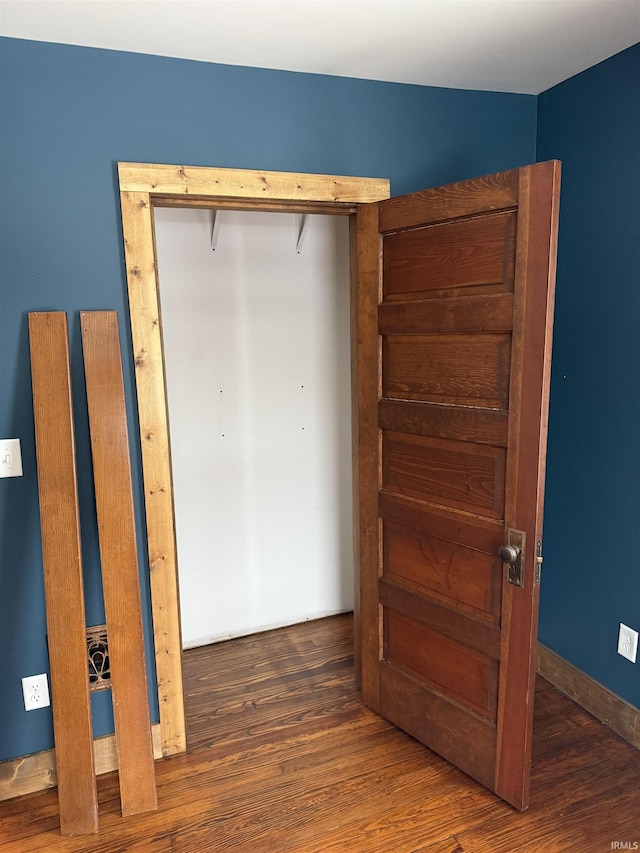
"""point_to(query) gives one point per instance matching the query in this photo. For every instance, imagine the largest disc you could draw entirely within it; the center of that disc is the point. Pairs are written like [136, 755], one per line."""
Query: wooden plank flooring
[284, 758]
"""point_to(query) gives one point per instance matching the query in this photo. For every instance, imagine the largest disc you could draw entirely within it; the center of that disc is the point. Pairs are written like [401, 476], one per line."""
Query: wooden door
[454, 316]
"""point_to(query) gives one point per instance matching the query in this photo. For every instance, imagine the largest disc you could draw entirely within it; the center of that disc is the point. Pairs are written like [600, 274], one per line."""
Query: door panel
[485, 426]
[441, 661]
[455, 295]
[452, 256]
[449, 574]
[458, 368]
[454, 474]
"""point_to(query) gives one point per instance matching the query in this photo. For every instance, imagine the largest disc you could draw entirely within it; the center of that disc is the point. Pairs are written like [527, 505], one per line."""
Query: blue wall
[591, 574]
[68, 115]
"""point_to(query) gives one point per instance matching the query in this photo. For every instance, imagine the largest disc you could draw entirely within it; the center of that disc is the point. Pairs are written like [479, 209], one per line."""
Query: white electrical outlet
[36, 691]
[10, 458]
[628, 643]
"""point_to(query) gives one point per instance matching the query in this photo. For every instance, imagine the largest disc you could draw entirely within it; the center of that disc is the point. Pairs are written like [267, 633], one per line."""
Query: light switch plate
[10, 457]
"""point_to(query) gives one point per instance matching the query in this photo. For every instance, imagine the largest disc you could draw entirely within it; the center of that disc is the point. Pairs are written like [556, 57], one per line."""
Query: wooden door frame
[143, 187]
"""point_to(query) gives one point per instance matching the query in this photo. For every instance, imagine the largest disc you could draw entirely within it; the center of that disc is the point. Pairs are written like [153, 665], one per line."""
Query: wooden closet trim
[144, 186]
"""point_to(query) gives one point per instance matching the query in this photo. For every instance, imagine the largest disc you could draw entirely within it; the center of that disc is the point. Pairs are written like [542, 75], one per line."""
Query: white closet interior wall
[256, 341]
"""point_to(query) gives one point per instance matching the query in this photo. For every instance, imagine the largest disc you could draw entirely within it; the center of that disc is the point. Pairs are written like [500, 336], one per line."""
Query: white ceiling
[500, 45]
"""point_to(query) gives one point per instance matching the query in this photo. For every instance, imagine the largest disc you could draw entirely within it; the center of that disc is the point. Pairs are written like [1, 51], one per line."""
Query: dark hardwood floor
[284, 758]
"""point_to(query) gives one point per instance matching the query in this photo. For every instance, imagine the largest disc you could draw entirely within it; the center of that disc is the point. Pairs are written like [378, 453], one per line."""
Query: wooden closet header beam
[244, 183]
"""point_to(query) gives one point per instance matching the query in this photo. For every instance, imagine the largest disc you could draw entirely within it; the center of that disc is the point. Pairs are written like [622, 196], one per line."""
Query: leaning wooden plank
[119, 556]
[64, 592]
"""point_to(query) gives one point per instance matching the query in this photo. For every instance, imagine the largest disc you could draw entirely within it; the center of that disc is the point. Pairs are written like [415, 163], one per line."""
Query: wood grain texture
[456, 575]
[461, 423]
[203, 181]
[529, 402]
[453, 474]
[462, 199]
[367, 444]
[465, 325]
[119, 558]
[620, 716]
[63, 582]
[488, 313]
[338, 208]
[441, 661]
[37, 772]
[466, 740]
[463, 369]
[484, 637]
[137, 224]
[354, 360]
[285, 758]
[450, 256]
[142, 186]
[483, 534]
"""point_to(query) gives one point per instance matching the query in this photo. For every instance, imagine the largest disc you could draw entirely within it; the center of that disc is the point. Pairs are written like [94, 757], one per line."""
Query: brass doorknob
[509, 554]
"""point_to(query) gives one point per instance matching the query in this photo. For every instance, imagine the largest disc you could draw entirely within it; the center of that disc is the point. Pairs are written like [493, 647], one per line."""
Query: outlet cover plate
[35, 689]
[627, 643]
[10, 458]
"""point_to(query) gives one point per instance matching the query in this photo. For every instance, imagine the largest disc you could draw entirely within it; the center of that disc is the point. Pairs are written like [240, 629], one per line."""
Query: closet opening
[255, 320]
[145, 190]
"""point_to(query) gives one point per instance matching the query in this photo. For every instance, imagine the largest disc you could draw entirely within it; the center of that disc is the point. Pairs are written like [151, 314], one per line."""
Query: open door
[454, 317]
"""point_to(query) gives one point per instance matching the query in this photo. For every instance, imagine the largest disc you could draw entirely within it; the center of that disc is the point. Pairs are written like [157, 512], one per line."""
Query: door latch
[538, 569]
[513, 554]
